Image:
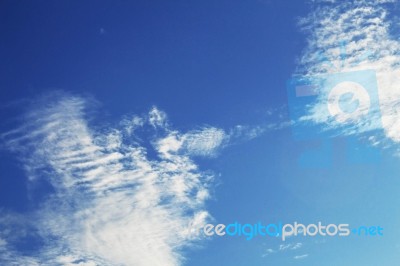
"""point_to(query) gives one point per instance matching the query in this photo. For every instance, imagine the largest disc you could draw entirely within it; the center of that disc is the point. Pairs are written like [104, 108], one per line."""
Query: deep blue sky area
[178, 55]
[203, 62]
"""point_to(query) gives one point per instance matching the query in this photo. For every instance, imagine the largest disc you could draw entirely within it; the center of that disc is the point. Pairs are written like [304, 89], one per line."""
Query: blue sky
[125, 122]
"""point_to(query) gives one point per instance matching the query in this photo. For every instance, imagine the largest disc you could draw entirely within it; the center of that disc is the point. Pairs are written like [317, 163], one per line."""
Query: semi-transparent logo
[325, 107]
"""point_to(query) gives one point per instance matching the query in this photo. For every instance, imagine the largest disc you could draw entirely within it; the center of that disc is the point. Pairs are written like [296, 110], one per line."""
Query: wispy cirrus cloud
[346, 36]
[113, 203]
[283, 248]
[300, 257]
[131, 194]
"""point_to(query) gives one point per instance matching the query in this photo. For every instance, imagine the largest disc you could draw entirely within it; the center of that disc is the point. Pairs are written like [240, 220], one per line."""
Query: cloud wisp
[349, 36]
[113, 203]
[131, 194]
[284, 248]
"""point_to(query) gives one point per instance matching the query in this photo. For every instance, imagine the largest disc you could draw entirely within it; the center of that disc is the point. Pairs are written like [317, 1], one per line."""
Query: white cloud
[292, 246]
[157, 117]
[283, 248]
[204, 142]
[364, 27]
[300, 257]
[112, 204]
[268, 252]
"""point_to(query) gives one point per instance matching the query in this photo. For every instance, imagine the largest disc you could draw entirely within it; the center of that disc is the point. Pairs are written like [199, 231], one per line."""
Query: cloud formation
[283, 248]
[114, 203]
[300, 257]
[346, 36]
